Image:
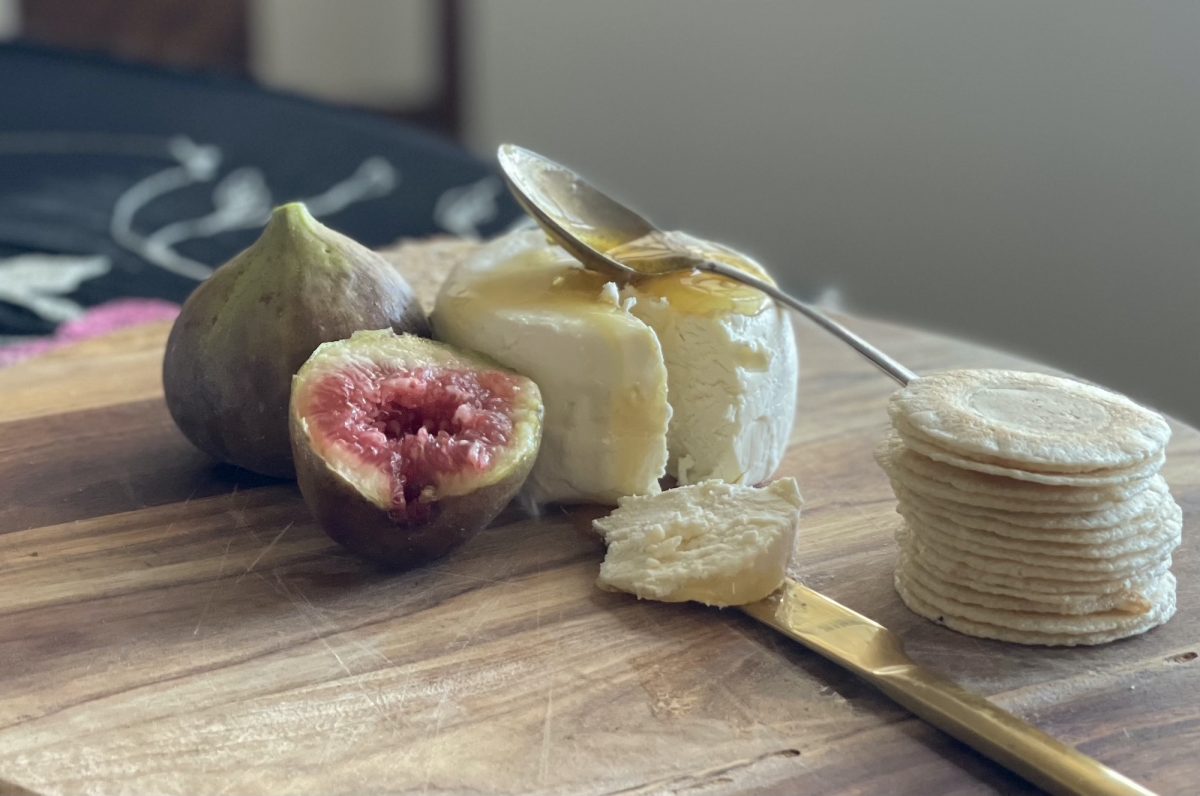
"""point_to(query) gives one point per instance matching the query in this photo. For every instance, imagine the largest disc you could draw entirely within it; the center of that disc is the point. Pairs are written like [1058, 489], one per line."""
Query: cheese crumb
[610, 295]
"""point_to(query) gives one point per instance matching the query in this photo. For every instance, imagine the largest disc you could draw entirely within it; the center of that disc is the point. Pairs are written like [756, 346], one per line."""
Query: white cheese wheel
[689, 375]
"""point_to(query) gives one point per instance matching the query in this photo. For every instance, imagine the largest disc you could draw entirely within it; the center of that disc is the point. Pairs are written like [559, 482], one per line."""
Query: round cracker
[1168, 513]
[1166, 532]
[1035, 629]
[1033, 566]
[970, 591]
[897, 463]
[1096, 478]
[940, 491]
[892, 452]
[1078, 528]
[1121, 604]
[1082, 560]
[1121, 513]
[1029, 420]
[1036, 589]
[1029, 587]
[1023, 578]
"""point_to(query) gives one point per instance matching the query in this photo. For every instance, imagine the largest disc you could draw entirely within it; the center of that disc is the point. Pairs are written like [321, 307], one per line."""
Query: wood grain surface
[172, 626]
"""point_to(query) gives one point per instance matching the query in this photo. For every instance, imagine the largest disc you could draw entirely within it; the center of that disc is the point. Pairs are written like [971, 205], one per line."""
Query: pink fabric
[99, 320]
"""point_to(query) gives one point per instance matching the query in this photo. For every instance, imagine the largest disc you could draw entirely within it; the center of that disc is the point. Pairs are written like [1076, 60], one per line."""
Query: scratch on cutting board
[376, 704]
[544, 761]
[469, 628]
[216, 585]
[443, 572]
[380, 703]
[307, 611]
[716, 775]
[316, 631]
[239, 512]
[462, 640]
[459, 685]
[748, 714]
[1027, 699]
[438, 716]
[369, 650]
[378, 653]
[321, 615]
[264, 551]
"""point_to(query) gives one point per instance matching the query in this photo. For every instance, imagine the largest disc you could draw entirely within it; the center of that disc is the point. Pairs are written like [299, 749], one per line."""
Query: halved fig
[405, 447]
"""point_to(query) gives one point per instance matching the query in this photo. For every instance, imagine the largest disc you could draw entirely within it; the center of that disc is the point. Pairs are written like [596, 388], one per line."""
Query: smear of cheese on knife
[715, 543]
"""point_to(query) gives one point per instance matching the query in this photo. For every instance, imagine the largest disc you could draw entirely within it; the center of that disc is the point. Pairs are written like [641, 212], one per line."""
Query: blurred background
[1026, 173]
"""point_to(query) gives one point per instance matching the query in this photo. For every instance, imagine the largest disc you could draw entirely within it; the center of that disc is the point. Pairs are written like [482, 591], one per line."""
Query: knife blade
[877, 655]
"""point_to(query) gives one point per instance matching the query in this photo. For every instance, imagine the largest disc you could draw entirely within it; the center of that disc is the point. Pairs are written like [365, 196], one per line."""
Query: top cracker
[1029, 420]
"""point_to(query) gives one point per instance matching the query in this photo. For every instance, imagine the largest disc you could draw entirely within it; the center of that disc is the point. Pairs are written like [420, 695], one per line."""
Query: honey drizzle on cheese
[693, 292]
[546, 277]
[552, 277]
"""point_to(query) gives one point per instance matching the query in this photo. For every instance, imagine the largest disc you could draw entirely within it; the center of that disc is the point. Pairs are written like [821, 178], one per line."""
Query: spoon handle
[881, 360]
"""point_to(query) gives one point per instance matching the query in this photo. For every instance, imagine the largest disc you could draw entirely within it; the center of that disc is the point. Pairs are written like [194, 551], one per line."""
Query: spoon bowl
[577, 216]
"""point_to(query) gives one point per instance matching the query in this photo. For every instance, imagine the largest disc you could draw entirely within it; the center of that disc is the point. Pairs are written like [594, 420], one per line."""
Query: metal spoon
[590, 225]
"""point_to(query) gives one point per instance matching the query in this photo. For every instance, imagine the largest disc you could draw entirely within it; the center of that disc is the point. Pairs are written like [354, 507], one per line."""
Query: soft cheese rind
[600, 370]
[732, 386]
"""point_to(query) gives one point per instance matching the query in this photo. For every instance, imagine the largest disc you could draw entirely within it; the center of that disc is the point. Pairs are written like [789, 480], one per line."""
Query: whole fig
[244, 333]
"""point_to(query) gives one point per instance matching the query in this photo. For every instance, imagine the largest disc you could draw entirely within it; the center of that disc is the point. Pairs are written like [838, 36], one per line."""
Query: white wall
[1026, 173]
[368, 52]
[10, 19]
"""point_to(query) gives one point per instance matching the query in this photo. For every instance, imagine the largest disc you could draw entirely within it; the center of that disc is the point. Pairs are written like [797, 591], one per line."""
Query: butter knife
[877, 655]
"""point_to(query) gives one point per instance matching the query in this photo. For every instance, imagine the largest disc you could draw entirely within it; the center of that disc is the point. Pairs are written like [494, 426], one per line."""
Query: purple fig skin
[366, 530]
[244, 332]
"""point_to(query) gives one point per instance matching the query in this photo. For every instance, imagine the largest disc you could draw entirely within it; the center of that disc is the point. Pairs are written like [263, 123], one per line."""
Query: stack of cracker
[1033, 507]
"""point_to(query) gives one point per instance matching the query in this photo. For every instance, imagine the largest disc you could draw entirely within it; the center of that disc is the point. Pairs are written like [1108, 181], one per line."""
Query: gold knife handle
[998, 734]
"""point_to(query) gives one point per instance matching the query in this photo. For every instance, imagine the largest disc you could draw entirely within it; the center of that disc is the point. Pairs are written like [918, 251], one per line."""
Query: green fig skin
[245, 331]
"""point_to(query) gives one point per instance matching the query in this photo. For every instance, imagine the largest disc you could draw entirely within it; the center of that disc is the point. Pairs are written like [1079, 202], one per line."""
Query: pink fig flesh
[404, 448]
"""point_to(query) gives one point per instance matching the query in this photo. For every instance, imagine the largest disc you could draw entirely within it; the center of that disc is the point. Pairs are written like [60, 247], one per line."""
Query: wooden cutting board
[171, 626]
